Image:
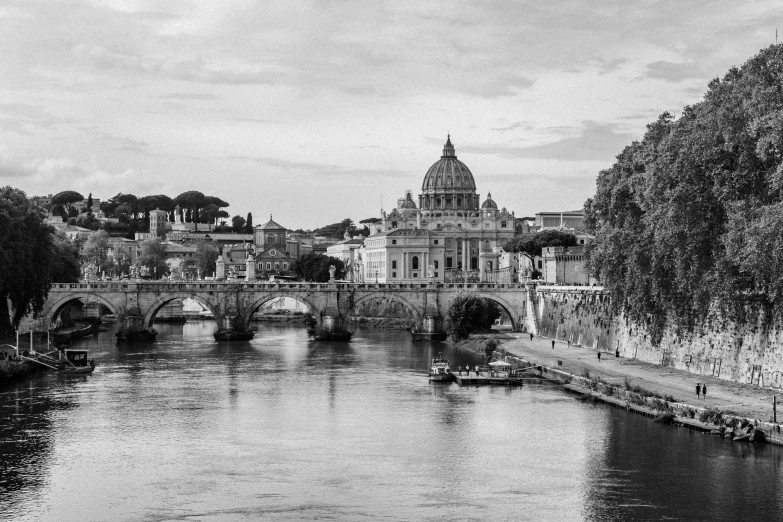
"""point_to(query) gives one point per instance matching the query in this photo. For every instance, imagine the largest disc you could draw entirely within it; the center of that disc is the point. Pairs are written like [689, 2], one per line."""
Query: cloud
[188, 96]
[593, 141]
[673, 72]
[319, 170]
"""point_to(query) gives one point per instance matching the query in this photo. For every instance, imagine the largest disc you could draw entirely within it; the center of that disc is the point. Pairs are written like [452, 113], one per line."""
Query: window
[581, 241]
[415, 274]
[277, 265]
[436, 263]
[502, 224]
[285, 266]
[449, 262]
[436, 274]
[539, 263]
[394, 241]
[269, 266]
[415, 263]
[436, 241]
[394, 224]
[394, 263]
[394, 274]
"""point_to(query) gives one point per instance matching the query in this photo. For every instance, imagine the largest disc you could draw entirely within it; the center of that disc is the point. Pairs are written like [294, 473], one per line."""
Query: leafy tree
[153, 256]
[249, 223]
[120, 263]
[685, 220]
[315, 267]
[206, 256]
[65, 259]
[67, 198]
[470, 313]
[26, 263]
[96, 250]
[238, 223]
[337, 229]
[532, 245]
[194, 201]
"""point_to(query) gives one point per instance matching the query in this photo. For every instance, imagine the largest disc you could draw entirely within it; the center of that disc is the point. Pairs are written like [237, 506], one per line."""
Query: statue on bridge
[430, 271]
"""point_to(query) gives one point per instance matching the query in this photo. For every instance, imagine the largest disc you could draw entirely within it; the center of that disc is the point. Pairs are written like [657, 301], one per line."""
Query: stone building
[272, 256]
[403, 256]
[451, 209]
[348, 251]
[566, 265]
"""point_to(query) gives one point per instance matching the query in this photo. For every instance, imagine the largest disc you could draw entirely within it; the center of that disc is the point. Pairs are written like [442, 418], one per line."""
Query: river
[288, 429]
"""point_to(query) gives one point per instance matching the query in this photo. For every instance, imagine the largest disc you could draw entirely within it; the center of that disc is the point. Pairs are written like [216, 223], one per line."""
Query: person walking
[553, 344]
[698, 390]
[704, 391]
[531, 336]
[599, 356]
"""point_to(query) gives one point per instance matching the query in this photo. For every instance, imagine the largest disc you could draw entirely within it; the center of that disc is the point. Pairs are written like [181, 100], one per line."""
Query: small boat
[74, 362]
[440, 370]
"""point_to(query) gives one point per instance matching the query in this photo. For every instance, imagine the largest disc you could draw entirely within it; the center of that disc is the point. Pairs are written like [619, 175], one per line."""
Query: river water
[289, 429]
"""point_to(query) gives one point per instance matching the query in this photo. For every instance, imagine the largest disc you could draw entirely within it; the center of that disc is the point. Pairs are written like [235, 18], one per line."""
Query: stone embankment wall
[745, 353]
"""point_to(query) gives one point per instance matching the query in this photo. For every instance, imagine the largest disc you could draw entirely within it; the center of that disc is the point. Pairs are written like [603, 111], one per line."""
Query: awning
[499, 363]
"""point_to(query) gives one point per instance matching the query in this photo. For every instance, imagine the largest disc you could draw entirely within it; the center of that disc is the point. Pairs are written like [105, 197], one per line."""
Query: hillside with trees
[690, 217]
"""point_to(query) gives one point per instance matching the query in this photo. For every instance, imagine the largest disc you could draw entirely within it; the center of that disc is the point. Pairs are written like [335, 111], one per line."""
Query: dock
[494, 378]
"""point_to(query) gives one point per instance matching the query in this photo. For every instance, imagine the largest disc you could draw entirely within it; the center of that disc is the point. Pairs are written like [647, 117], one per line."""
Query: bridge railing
[174, 286]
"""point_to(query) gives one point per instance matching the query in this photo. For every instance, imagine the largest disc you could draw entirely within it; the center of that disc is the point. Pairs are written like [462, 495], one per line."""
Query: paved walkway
[747, 401]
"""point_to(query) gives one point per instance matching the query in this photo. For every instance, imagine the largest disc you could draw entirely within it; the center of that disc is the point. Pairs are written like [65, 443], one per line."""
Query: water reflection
[289, 428]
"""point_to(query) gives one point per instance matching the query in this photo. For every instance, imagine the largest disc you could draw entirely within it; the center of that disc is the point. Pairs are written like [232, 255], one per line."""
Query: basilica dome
[489, 204]
[448, 174]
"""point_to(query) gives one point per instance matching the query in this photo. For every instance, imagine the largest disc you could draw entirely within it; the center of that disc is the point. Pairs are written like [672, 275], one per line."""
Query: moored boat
[74, 362]
[440, 370]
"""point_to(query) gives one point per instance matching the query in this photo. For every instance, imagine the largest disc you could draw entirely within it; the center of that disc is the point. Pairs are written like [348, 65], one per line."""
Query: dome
[406, 202]
[488, 203]
[448, 174]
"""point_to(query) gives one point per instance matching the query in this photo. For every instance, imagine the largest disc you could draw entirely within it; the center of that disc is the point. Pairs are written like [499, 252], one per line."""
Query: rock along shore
[645, 388]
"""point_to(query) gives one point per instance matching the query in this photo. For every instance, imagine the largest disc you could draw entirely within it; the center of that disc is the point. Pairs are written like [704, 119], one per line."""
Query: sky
[321, 110]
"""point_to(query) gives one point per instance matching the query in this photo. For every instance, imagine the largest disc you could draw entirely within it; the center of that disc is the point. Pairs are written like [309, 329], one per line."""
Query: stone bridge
[332, 303]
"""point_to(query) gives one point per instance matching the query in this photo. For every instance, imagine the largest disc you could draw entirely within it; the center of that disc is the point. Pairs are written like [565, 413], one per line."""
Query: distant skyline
[318, 111]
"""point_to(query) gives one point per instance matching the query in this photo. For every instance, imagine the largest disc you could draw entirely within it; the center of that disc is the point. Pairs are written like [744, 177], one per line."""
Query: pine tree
[249, 223]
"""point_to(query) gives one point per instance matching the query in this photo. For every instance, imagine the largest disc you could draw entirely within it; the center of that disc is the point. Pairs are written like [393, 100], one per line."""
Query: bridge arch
[152, 312]
[506, 306]
[54, 310]
[417, 314]
[269, 296]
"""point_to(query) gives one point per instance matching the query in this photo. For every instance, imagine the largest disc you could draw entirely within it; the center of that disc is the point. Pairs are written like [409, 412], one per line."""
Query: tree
[470, 313]
[65, 259]
[26, 263]
[206, 256]
[153, 256]
[96, 250]
[193, 200]
[67, 198]
[238, 223]
[249, 223]
[685, 220]
[337, 229]
[88, 208]
[315, 267]
[532, 245]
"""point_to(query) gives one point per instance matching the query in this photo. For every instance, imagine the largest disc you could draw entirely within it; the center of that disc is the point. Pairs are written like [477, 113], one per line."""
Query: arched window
[415, 263]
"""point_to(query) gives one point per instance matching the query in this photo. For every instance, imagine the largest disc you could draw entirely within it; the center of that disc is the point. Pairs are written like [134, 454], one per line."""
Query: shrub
[711, 416]
[470, 313]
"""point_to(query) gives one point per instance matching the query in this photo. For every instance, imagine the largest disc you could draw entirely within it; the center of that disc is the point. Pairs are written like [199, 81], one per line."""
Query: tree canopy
[153, 256]
[67, 198]
[531, 245]
[470, 313]
[689, 217]
[206, 255]
[315, 267]
[32, 256]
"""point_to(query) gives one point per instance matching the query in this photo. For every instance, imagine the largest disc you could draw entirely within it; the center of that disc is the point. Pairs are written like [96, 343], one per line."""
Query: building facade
[566, 266]
[471, 231]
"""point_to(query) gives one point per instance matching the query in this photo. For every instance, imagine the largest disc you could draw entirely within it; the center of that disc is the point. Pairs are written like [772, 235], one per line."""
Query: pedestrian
[698, 390]
[704, 391]
[460, 370]
[531, 337]
[599, 356]
[617, 352]
[553, 344]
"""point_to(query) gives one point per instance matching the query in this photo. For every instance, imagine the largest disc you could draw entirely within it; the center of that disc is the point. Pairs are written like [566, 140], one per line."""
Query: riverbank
[614, 379]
